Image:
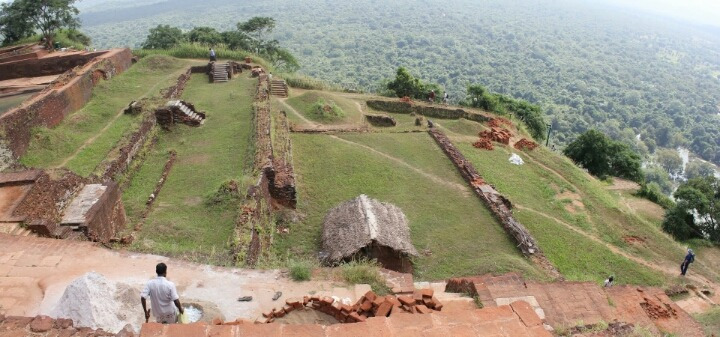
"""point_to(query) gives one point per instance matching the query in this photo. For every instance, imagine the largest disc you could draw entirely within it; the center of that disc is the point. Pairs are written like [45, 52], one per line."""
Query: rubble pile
[524, 144]
[497, 135]
[484, 143]
[421, 301]
[498, 122]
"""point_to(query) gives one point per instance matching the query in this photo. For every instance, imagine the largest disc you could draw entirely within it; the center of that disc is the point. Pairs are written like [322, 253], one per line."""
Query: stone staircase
[188, 111]
[15, 228]
[279, 88]
[220, 72]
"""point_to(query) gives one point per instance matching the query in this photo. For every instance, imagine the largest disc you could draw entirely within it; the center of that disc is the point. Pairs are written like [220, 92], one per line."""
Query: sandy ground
[35, 271]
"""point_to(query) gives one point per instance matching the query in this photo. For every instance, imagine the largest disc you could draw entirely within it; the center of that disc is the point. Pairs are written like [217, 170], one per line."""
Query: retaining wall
[68, 93]
[498, 204]
[281, 175]
[428, 111]
[107, 216]
[129, 151]
[48, 197]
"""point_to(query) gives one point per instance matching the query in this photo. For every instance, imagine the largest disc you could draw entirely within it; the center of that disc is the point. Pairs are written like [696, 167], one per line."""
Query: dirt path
[296, 113]
[112, 121]
[459, 187]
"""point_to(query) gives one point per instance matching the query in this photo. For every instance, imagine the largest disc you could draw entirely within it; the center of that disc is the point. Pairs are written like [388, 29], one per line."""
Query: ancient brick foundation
[498, 204]
[44, 326]
[282, 176]
[48, 197]
[107, 216]
[68, 93]
[176, 90]
[427, 111]
[129, 151]
[565, 304]
[45, 66]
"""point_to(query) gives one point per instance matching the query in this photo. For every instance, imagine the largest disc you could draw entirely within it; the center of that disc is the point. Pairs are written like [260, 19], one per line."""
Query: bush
[603, 157]
[327, 110]
[653, 192]
[300, 270]
[365, 272]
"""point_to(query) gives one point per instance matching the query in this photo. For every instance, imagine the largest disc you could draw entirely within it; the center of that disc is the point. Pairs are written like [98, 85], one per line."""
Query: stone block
[526, 313]
[370, 295]
[63, 323]
[384, 309]
[379, 300]
[366, 305]
[427, 293]
[16, 322]
[294, 302]
[422, 309]
[406, 300]
[41, 324]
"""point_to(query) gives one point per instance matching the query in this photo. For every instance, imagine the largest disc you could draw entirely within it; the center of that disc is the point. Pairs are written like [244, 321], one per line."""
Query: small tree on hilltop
[163, 37]
[204, 35]
[48, 16]
[405, 84]
[258, 28]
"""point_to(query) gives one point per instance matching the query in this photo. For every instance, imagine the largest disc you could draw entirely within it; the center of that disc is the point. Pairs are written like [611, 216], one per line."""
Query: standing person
[431, 97]
[446, 98]
[689, 258]
[213, 57]
[269, 77]
[162, 294]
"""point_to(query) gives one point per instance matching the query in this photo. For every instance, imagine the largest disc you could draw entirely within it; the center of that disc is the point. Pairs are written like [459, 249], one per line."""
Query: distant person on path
[431, 97]
[689, 258]
[446, 98]
[162, 294]
[609, 281]
[213, 57]
[269, 77]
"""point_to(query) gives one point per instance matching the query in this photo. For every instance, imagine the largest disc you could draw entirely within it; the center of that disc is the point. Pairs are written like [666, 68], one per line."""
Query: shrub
[365, 272]
[327, 110]
[300, 270]
[653, 192]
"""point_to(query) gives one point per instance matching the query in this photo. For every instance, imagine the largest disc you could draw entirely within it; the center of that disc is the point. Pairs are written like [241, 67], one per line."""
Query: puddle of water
[193, 313]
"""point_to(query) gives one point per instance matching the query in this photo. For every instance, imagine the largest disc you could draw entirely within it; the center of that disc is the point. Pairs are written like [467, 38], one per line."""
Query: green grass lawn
[51, 147]
[452, 229]
[536, 187]
[183, 223]
[710, 321]
[304, 102]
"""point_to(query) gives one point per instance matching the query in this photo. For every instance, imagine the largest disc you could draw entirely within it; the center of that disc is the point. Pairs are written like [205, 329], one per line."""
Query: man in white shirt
[162, 295]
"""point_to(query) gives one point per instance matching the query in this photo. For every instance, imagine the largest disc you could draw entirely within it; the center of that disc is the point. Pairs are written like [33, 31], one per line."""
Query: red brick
[345, 308]
[63, 323]
[197, 329]
[306, 300]
[280, 313]
[356, 317]
[379, 300]
[268, 314]
[393, 300]
[152, 330]
[417, 296]
[288, 308]
[327, 300]
[16, 322]
[366, 305]
[406, 300]
[370, 295]
[221, 331]
[526, 313]
[427, 293]
[422, 309]
[303, 330]
[384, 309]
[264, 330]
[314, 298]
[294, 302]
[41, 324]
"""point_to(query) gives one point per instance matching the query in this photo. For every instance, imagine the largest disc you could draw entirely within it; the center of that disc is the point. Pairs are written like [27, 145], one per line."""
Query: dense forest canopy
[587, 64]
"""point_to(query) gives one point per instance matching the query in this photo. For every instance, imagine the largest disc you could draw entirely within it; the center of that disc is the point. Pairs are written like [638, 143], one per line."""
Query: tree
[15, 23]
[283, 60]
[405, 84]
[669, 160]
[236, 40]
[656, 174]
[257, 28]
[163, 37]
[204, 35]
[47, 16]
[603, 157]
[697, 169]
[697, 212]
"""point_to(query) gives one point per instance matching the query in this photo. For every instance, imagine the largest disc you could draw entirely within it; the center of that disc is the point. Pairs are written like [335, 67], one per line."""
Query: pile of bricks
[498, 122]
[370, 305]
[44, 326]
[484, 143]
[497, 135]
[524, 144]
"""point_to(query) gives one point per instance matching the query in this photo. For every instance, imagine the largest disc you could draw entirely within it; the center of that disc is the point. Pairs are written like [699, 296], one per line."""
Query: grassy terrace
[452, 229]
[552, 196]
[183, 221]
[86, 136]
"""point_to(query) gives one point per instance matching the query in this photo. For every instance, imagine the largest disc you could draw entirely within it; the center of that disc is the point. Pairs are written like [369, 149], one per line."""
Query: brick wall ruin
[498, 204]
[282, 176]
[176, 90]
[129, 150]
[428, 111]
[107, 216]
[45, 66]
[48, 197]
[68, 93]
[380, 120]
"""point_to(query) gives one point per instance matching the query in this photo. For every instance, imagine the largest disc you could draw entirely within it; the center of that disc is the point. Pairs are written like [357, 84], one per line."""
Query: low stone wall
[176, 90]
[380, 120]
[68, 93]
[44, 326]
[498, 204]
[45, 66]
[107, 216]
[428, 111]
[282, 175]
[129, 151]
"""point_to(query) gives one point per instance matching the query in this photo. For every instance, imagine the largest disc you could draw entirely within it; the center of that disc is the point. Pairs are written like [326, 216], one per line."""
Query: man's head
[161, 269]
